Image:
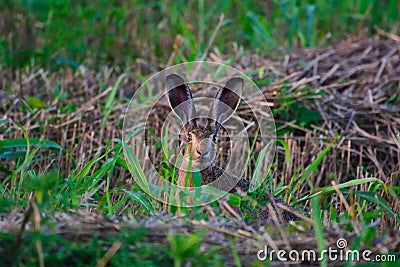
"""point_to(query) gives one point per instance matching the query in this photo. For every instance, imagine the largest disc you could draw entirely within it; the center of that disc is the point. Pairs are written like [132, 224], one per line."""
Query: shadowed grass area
[94, 33]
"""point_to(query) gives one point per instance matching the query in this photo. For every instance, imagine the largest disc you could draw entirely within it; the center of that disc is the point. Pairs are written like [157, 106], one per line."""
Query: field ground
[67, 195]
[338, 108]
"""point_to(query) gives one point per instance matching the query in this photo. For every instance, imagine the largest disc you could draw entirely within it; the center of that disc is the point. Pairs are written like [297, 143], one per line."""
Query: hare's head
[201, 149]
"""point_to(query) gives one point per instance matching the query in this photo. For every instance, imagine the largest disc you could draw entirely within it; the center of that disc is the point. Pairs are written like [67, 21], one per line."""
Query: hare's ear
[227, 100]
[180, 99]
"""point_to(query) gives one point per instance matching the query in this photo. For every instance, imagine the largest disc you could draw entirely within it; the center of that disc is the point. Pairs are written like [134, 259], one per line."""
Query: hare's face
[200, 148]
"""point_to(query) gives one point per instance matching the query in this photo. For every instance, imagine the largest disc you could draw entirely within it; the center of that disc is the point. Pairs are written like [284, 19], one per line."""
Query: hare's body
[200, 148]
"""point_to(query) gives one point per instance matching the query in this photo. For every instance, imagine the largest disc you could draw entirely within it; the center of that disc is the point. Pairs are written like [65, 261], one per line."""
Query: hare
[201, 149]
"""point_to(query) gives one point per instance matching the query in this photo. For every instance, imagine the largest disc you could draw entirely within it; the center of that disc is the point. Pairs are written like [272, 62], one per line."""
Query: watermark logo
[339, 253]
[341, 243]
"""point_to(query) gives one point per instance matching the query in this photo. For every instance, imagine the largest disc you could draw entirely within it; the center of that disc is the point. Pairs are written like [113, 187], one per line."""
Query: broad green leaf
[374, 198]
[330, 189]
[23, 142]
[4, 121]
[135, 169]
[35, 102]
[141, 198]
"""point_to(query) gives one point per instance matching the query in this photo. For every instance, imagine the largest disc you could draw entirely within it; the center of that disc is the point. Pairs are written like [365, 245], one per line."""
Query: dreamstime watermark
[341, 253]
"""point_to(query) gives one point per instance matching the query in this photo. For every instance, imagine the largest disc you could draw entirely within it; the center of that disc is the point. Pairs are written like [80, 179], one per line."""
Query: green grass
[118, 32]
[90, 184]
[133, 250]
[33, 182]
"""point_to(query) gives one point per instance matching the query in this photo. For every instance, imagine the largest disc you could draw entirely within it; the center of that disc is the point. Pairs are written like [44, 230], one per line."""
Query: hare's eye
[189, 137]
